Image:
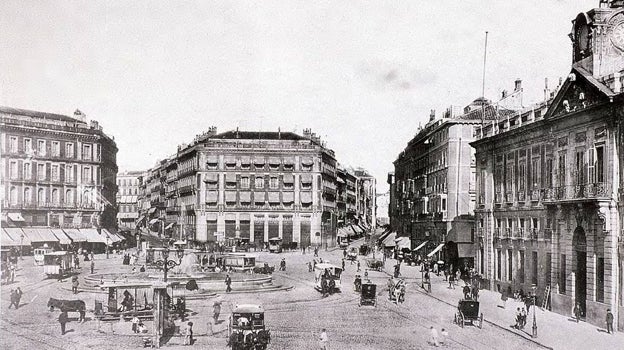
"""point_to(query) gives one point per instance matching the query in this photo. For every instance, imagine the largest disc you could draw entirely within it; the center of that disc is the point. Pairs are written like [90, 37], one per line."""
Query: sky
[361, 74]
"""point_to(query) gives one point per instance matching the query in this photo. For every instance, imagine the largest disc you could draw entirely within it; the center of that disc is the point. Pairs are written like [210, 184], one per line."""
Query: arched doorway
[579, 245]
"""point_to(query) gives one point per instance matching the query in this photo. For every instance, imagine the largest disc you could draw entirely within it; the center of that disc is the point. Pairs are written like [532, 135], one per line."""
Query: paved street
[295, 317]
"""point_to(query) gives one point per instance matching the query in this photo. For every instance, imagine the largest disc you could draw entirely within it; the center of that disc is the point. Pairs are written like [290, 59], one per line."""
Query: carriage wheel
[461, 319]
[481, 321]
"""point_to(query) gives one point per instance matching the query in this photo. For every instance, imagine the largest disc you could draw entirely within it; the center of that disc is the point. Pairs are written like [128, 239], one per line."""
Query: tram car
[328, 273]
[246, 328]
[368, 294]
[58, 263]
[275, 245]
[240, 261]
[39, 254]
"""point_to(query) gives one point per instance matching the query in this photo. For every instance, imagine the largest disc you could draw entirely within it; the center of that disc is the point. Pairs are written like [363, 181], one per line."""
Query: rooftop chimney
[518, 85]
[546, 90]
[432, 115]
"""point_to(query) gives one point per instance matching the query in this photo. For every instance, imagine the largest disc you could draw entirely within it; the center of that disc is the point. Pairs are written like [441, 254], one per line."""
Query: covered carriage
[368, 294]
[468, 311]
[246, 328]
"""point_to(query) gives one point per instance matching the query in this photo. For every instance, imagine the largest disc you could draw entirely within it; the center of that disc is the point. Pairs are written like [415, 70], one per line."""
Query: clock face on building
[617, 36]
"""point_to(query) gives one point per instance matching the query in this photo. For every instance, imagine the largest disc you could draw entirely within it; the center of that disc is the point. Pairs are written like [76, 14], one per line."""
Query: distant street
[295, 317]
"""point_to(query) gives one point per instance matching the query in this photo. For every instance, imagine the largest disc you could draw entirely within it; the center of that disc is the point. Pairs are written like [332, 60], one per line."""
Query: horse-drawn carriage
[396, 290]
[368, 294]
[327, 278]
[375, 264]
[468, 310]
[246, 329]
[352, 254]
[264, 269]
[69, 306]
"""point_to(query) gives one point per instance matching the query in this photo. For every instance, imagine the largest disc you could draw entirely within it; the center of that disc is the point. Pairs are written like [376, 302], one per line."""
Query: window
[86, 152]
[579, 167]
[27, 195]
[273, 183]
[41, 148]
[54, 172]
[600, 279]
[599, 165]
[244, 182]
[534, 265]
[13, 170]
[69, 150]
[443, 204]
[13, 144]
[549, 170]
[28, 148]
[521, 178]
[41, 173]
[55, 196]
[13, 195]
[535, 171]
[521, 266]
[98, 152]
[499, 262]
[41, 197]
[69, 173]
[56, 149]
[86, 174]
[509, 264]
[69, 197]
[509, 179]
[561, 181]
[259, 182]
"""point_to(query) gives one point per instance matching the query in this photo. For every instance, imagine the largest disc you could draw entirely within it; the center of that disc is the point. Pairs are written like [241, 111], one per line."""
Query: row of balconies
[572, 192]
[521, 233]
[186, 171]
[251, 206]
[48, 205]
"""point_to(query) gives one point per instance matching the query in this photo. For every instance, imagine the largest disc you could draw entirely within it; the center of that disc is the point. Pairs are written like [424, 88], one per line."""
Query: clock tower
[598, 39]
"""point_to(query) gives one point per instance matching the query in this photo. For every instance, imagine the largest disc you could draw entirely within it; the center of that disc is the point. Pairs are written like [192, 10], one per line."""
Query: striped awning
[274, 197]
[62, 237]
[259, 160]
[259, 197]
[230, 197]
[32, 234]
[93, 236]
[245, 197]
[212, 159]
[306, 197]
[420, 246]
[307, 161]
[6, 240]
[288, 197]
[306, 178]
[437, 249]
[75, 235]
[17, 235]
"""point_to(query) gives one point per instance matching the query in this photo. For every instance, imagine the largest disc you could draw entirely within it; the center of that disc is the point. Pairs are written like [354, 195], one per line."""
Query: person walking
[18, 297]
[63, 318]
[216, 310]
[451, 281]
[343, 264]
[75, 284]
[434, 336]
[92, 266]
[228, 283]
[135, 324]
[610, 322]
[358, 266]
[577, 312]
[323, 340]
[188, 334]
[13, 299]
[310, 266]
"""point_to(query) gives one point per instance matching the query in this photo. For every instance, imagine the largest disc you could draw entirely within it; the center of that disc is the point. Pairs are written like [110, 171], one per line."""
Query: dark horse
[69, 305]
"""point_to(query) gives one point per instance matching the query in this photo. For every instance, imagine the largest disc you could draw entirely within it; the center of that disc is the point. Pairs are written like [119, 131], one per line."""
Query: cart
[368, 295]
[396, 290]
[375, 264]
[468, 310]
[352, 254]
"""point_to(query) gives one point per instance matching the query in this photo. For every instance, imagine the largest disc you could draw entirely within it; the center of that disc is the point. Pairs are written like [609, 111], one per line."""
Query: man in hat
[228, 283]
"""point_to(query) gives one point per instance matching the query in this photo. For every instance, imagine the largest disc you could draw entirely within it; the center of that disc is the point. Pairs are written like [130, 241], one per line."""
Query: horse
[69, 306]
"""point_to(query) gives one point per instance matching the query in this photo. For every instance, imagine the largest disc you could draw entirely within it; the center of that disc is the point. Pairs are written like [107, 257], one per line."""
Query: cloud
[395, 76]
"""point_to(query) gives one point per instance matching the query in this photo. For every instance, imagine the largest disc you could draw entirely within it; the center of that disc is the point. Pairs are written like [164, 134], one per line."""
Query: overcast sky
[362, 74]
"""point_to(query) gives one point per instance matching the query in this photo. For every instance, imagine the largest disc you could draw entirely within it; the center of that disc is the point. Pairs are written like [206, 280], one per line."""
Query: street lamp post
[107, 244]
[534, 335]
[165, 264]
[21, 246]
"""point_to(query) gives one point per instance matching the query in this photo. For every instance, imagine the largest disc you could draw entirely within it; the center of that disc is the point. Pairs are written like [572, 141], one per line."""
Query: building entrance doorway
[580, 249]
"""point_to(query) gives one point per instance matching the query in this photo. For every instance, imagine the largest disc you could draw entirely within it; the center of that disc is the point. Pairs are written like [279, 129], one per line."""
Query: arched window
[86, 200]
[27, 195]
[13, 195]
[69, 197]
[55, 196]
[41, 196]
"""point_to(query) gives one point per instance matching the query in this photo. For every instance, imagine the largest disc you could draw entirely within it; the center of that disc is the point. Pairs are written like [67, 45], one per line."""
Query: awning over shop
[258, 160]
[389, 240]
[212, 159]
[465, 250]
[169, 225]
[307, 161]
[46, 234]
[420, 246]
[384, 235]
[245, 197]
[357, 229]
[288, 197]
[230, 197]
[289, 178]
[437, 249]
[230, 178]
[32, 234]
[93, 236]
[306, 178]
[259, 197]
[230, 160]
[211, 178]
[75, 235]
[212, 196]
[127, 215]
[62, 237]
[6, 240]
[140, 219]
[344, 232]
[289, 160]
[340, 180]
[403, 242]
[17, 235]
[364, 227]
[245, 160]
[274, 161]
[15, 217]
[306, 197]
[112, 231]
[274, 197]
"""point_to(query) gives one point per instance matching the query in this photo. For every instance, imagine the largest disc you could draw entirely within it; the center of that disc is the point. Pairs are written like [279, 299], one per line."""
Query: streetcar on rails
[327, 278]
[58, 263]
[246, 328]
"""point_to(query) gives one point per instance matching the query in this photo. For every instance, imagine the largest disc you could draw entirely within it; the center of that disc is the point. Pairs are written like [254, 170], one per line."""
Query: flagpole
[483, 82]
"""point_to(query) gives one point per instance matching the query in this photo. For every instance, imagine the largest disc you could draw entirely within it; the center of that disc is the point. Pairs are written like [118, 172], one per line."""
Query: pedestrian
[135, 324]
[451, 281]
[324, 340]
[358, 266]
[434, 336]
[188, 334]
[75, 284]
[63, 318]
[309, 266]
[518, 319]
[76, 262]
[315, 252]
[444, 335]
[523, 317]
[92, 266]
[343, 264]
[504, 298]
[18, 297]
[283, 265]
[577, 312]
[12, 272]
[610, 322]
[344, 253]
[91, 256]
[216, 310]
[228, 283]
[13, 299]
[314, 262]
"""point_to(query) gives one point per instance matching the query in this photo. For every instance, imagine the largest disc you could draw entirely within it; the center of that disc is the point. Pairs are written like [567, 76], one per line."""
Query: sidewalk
[553, 330]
